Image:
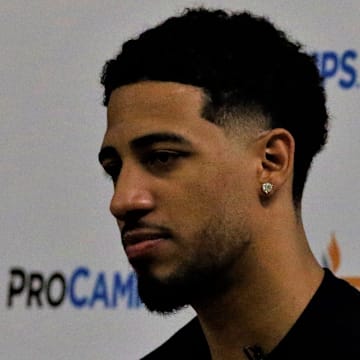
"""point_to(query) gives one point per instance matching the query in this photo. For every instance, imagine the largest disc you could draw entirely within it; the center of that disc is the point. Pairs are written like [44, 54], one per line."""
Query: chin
[162, 296]
[169, 294]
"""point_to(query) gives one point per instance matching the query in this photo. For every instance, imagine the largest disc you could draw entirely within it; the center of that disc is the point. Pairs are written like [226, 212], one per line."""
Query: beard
[169, 295]
[207, 272]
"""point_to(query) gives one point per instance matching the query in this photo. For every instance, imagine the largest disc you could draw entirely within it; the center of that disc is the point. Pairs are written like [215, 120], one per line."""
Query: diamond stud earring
[266, 188]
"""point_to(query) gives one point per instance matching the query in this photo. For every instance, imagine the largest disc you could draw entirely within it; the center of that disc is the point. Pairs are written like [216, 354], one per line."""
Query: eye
[162, 159]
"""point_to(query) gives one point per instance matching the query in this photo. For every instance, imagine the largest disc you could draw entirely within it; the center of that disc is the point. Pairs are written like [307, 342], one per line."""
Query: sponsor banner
[82, 288]
[341, 67]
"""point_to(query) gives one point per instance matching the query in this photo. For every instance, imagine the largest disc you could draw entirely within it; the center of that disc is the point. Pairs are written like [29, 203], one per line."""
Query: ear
[277, 148]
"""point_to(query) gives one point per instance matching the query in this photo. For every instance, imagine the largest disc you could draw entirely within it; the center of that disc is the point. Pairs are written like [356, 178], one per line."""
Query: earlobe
[278, 148]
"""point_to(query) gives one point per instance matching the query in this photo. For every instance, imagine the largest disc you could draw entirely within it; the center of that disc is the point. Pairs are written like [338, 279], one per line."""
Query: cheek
[203, 198]
[227, 198]
[197, 199]
[189, 204]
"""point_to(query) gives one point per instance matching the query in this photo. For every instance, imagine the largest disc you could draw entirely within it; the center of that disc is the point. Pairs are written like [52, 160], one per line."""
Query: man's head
[201, 111]
[243, 64]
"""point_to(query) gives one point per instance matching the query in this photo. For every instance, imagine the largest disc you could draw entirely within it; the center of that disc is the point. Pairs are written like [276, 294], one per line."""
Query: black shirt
[328, 328]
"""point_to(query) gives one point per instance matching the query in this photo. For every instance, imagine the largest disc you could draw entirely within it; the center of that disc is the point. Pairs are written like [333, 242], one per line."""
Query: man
[213, 122]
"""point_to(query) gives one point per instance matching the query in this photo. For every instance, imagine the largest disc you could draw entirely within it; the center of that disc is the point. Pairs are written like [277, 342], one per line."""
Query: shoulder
[341, 306]
[334, 312]
[329, 327]
[335, 293]
[187, 343]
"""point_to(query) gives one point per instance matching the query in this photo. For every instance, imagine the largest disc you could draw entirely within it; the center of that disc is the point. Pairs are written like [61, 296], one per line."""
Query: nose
[132, 194]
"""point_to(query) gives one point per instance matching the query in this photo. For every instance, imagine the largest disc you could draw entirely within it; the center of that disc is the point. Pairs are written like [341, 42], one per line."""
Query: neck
[268, 292]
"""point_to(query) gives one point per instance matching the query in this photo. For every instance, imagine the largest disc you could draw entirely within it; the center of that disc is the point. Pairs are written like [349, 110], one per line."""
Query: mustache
[145, 225]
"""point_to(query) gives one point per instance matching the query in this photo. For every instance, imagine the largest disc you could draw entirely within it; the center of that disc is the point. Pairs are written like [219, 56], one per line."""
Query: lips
[141, 242]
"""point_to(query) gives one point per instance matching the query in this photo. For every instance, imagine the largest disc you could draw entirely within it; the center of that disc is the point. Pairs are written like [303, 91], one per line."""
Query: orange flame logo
[334, 257]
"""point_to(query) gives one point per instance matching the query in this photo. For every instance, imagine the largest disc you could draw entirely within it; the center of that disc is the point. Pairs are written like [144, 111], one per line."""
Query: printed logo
[340, 67]
[332, 260]
[81, 289]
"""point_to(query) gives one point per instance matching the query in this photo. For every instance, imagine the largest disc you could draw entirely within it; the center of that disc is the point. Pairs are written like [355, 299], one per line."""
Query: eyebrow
[151, 139]
[143, 142]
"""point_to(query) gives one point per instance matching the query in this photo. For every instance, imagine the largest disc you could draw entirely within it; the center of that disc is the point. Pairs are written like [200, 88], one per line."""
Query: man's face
[184, 192]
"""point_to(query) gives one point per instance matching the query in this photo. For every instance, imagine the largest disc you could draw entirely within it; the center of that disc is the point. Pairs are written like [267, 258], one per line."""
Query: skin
[190, 201]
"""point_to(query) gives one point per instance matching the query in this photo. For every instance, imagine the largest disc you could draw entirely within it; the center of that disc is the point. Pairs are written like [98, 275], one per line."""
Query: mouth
[141, 242]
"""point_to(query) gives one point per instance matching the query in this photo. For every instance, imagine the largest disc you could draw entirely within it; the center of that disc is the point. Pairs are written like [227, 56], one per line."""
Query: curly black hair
[241, 61]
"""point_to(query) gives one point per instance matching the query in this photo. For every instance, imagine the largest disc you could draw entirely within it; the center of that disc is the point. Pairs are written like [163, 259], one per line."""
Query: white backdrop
[66, 289]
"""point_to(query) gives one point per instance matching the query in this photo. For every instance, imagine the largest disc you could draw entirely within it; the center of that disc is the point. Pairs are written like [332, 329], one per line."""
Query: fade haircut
[243, 63]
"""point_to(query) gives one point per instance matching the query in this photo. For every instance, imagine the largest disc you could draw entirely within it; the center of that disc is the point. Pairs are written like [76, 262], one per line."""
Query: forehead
[152, 107]
[153, 101]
